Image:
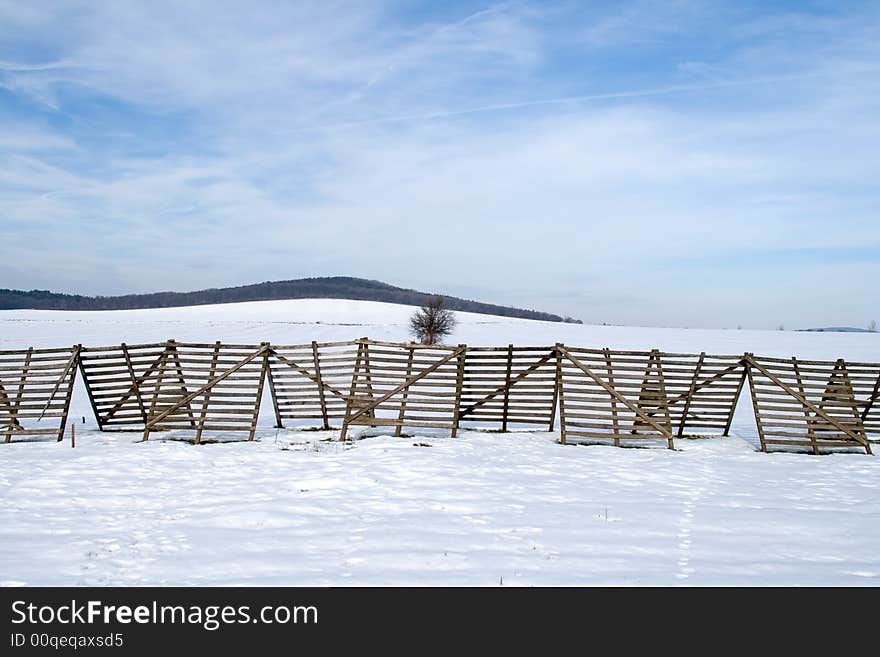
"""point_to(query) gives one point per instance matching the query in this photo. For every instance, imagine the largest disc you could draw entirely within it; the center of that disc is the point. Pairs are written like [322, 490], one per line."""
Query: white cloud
[328, 138]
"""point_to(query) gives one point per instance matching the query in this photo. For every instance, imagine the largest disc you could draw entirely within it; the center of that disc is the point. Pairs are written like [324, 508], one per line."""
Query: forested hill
[337, 287]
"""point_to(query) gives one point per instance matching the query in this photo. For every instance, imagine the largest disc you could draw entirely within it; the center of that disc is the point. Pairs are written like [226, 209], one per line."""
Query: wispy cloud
[567, 100]
[567, 156]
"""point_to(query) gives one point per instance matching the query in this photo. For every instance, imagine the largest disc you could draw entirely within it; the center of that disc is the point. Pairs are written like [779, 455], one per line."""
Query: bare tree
[873, 325]
[432, 322]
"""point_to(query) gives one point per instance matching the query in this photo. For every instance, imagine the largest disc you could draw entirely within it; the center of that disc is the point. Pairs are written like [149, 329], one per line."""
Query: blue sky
[665, 163]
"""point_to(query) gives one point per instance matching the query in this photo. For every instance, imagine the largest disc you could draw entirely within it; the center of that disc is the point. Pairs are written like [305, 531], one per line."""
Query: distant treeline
[337, 287]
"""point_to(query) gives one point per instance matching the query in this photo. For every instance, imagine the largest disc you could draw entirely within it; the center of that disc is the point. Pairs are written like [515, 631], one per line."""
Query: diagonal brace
[666, 433]
[408, 382]
[186, 400]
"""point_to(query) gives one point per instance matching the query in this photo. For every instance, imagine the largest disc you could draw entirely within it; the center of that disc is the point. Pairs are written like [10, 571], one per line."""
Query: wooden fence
[509, 385]
[808, 403]
[175, 385]
[598, 395]
[405, 385]
[613, 395]
[121, 381]
[702, 391]
[311, 381]
[35, 390]
[865, 378]
[637, 395]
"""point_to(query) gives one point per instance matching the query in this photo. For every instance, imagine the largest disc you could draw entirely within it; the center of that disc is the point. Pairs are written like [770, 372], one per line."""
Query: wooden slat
[214, 381]
[641, 418]
[376, 389]
[785, 407]
[35, 396]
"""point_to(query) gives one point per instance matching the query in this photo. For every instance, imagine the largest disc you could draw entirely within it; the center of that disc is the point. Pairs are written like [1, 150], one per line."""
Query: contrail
[663, 91]
[14, 67]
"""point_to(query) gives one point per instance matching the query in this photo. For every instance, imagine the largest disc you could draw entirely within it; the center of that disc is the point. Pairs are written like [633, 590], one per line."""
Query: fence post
[811, 432]
[349, 403]
[459, 382]
[13, 420]
[182, 380]
[748, 365]
[402, 414]
[555, 398]
[207, 398]
[690, 396]
[369, 375]
[85, 379]
[320, 381]
[735, 402]
[507, 388]
[614, 418]
[560, 394]
[279, 423]
[69, 395]
[160, 379]
[260, 386]
[664, 398]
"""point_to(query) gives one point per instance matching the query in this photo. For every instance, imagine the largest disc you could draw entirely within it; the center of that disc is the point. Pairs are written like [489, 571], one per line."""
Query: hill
[336, 287]
[838, 329]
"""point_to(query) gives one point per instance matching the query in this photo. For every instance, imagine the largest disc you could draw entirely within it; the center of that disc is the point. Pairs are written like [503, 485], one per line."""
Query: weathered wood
[298, 368]
[690, 396]
[614, 419]
[134, 382]
[43, 382]
[154, 420]
[415, 345]
[507, 385]
[807, 403]
[839, 392]
[458, 385]
[349, 405]
[178, 367]
[71, 363]
[134, 388]
[89, 392]
[13, 424]
[357, 408]
[207, 398]
[368, 374]
[664, 403]
[777, 408]
[468, 410]
[402, 414]
[664, 431]
[320, 382]
[276, 404]
[36, 353]
[872, 399]
[16, 405]
[163, 359]
[735, 402]
[560, 391]
[810, 431]
[491, 384]
[69, 393]
[259, 396]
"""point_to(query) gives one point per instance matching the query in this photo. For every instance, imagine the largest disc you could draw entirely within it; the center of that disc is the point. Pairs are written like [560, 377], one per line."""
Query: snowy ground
[481, 509]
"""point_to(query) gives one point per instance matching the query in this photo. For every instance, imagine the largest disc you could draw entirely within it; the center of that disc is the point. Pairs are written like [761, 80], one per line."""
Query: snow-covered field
[481, 509]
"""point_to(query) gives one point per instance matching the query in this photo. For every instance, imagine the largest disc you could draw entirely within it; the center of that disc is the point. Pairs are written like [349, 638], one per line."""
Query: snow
[480, 509]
